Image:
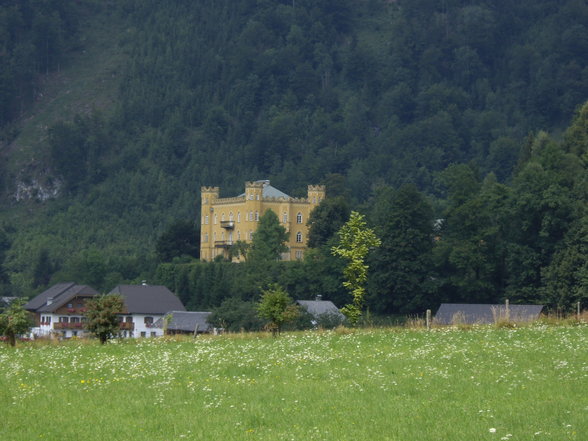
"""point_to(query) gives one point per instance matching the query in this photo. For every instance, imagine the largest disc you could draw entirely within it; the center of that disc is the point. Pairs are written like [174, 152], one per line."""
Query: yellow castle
[228, 220]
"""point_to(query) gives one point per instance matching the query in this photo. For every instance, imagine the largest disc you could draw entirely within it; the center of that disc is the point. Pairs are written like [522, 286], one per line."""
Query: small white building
[143, 306]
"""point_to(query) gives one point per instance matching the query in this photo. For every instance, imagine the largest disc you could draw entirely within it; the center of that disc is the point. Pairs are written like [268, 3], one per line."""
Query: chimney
[319, 298]
[144, 282]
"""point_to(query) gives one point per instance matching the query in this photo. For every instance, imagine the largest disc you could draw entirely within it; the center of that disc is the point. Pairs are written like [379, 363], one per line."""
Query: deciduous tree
[102, 314]
[355, 242]
[277, 307]
[14, 320]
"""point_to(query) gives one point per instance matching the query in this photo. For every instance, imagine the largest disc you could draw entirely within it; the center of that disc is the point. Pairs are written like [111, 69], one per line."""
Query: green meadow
[482, 383]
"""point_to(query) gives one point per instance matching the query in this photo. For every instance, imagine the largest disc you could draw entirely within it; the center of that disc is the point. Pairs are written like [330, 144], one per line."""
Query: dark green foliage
[235, 315]
[180, 239]
[401, 268]
[326, 219]
[276, 308]
[269, 240]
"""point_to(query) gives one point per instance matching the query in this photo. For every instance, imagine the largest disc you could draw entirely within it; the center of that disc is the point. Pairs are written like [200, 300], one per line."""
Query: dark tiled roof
[319, 307]
[148, 299]
[61, 294]
[186, 321]
[450, 313]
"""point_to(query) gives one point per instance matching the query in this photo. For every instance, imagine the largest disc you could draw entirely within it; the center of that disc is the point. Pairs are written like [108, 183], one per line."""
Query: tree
[355, 242]
[401, 268]
[269, 240]
[102, 314]
[277, 307]
[236, 315]
[180, 239]
[326, 219]
[14, 320]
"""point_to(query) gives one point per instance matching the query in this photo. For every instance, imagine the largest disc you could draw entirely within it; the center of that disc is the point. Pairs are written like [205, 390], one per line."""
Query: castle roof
[269, 191]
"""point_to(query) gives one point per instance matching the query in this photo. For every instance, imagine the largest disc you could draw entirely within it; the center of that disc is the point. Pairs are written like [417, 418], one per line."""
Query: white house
[60, 310]
[143, 306]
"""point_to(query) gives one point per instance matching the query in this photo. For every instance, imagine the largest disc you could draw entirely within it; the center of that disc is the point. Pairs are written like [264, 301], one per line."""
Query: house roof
[186, 321]
[148, 299]
[58, 295]
[269, 191]
[319, 307]
[450, 313]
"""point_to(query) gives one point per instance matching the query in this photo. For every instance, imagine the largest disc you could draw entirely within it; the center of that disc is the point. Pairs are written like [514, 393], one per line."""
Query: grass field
[446, 384]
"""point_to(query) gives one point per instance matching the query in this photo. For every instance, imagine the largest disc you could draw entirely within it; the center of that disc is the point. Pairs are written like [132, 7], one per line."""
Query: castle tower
[208, 196]
[316, 193]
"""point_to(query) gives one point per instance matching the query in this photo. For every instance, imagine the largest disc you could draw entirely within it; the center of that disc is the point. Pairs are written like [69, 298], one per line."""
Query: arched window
[256, 216]
[215, 219]
[206, 220]
[299, 237]
[285, 218]
[223, 217]
[238, 235]
[238, 216]
[231, 216]
[299, 218]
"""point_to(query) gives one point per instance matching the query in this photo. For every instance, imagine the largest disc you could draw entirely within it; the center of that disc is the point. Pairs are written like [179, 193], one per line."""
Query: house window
[75, 320]
[148, 321]
[285, 218]
[70, 305]
[74, 333]
[143, 334]
[64, 319]
[299, 237]
[153, 334]
[129, 319]
[299, 218]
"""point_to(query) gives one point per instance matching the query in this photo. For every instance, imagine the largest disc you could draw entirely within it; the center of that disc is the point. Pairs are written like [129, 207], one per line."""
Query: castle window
[231, 216]
[223, 217]
[250, 235]
[285, 218]
[223, 235]
[257, 197]
[299, 218]
[239, 216]
[215, 219]
[238, 235]
[214, 236]
[256, 216]
[250, 196]
[299, 237]
[205, 237]
[206, 219]
[251, 215]
[299, 255]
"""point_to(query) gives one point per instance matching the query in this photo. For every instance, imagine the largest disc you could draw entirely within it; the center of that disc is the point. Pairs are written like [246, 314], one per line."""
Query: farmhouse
[143, 306]
[60, 309]
[228, 220]
[463, 313]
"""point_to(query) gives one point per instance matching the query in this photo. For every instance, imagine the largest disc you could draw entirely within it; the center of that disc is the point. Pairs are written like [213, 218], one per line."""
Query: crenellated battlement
[256, 184]
[210, 190]
[320, 188]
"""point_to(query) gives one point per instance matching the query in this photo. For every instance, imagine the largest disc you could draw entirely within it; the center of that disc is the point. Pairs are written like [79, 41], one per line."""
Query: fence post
[428, 319]
[578, 308]
[506, 303]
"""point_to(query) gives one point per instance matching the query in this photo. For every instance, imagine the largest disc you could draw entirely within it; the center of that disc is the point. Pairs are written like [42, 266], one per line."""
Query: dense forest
[456, 126]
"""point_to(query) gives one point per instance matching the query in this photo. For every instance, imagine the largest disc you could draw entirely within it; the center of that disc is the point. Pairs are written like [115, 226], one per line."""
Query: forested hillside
[458, 108]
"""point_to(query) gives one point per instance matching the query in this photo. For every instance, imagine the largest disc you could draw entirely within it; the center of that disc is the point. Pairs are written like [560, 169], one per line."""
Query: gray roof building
[57, 296]
[320, 307]
[454, 313]
[185, 322]
[148, 299]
